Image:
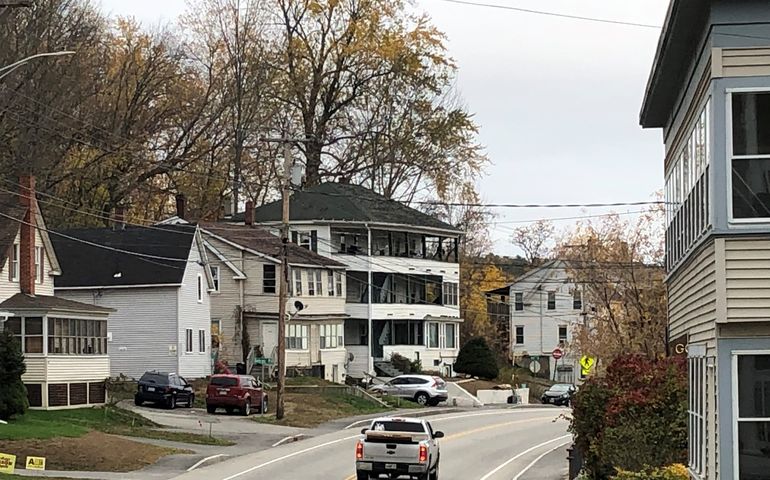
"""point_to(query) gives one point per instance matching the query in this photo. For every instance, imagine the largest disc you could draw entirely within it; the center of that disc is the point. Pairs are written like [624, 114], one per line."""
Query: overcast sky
[557, 99]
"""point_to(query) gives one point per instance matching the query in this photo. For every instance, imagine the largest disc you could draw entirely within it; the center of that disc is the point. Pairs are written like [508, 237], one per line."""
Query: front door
[269, 339]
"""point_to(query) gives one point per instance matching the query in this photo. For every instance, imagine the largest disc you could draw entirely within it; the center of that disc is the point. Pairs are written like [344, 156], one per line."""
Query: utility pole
[283, 286]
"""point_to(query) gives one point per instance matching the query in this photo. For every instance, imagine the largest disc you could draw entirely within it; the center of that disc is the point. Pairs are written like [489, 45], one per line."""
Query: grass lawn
[310, 410]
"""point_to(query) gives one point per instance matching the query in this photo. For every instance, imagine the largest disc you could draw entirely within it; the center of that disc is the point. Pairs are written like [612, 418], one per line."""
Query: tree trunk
[313, 163]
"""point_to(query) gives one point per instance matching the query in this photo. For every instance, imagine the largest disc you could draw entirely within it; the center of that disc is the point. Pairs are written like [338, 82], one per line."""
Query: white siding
[408, 266]
[9, 289]
[36, 370]
[194, 315]
[332, 358]
[143, 327]
[77, 368]
[429, 357]
[360, 363]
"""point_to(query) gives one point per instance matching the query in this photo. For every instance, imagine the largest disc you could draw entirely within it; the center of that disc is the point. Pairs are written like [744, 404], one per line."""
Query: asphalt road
[512, 444]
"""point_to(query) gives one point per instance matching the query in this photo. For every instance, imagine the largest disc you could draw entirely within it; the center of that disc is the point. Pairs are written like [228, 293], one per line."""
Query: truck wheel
[246, 410]
[435, 473]
[171, 402]
[422, 398]
[138, 402]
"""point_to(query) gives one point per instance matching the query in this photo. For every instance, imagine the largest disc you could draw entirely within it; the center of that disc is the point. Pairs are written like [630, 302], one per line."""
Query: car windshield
[224, 382]
[393, 426]
[561, 388]
[157, 378]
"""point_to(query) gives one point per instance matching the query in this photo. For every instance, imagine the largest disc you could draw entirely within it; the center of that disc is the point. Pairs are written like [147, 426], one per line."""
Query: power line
[554, 14]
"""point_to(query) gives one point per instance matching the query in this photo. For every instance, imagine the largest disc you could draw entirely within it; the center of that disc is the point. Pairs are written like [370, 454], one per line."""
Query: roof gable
[347, 203]
[123, 258]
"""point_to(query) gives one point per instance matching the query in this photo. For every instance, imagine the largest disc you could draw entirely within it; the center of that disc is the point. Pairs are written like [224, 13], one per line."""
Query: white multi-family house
[538, 314]
[402, 293]
[158, 282]
[245, 265]
[64, 342]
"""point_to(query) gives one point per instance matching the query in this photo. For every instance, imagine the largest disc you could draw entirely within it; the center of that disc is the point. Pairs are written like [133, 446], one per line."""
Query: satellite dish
[299, 306]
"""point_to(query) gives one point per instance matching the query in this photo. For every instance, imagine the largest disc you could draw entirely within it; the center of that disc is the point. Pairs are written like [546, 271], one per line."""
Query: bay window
[319, 283]
[330, 283]
[296, 337]
[311, 283]
[331, 336]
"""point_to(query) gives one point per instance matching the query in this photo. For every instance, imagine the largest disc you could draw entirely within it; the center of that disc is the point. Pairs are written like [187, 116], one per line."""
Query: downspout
[241, 297]
[369, 296]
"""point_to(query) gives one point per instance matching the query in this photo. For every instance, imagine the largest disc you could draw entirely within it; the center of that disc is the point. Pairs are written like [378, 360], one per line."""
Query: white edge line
[406, 414]
[204, 461]
[437, 418]
[290, 438]
[276, 460]
[485, 477]
[517, 477]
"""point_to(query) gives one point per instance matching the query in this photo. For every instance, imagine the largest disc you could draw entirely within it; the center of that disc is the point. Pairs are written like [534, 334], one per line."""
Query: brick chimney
[181, 204]
[28, 227]
[248, 215]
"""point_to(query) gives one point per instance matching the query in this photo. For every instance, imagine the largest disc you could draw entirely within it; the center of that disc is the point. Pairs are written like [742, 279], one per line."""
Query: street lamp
[7, 70]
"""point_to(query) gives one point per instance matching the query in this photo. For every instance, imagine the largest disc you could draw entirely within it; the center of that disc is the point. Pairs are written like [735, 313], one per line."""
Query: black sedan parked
[166, 389]
[559, 394]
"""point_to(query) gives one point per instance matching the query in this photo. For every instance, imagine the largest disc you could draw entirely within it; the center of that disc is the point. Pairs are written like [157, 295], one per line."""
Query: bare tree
[535, 240]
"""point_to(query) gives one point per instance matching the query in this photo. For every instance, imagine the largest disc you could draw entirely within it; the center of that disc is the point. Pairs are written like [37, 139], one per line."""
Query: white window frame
[311, 292]
[548, 300]
[338, 286]
[215, 275]
[736, 419]
[319, 282]
[39, 265]
[450, 327]
[200, 288]
[331, 336]
[696, 415]
[188, 344]
[451, 294]
[294, 332]
[330, 283]
[438, 336]
[297, 282]
[566, 333]
[14, 271]
[729, 157]
[515, 302]
[201, 341]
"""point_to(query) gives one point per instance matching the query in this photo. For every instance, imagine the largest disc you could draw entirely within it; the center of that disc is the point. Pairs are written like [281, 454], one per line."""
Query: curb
[214, 459]
[290, 439]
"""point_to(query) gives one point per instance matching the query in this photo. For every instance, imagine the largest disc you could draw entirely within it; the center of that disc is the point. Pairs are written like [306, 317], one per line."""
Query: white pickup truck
[398, 448]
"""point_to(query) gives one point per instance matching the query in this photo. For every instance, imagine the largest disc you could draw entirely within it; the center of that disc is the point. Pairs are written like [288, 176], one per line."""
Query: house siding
[692, 298]
[194, 315]
[225, 304]
[143, 327]
[747, 271]
[9, 288]
[742, 62]
[76, 368]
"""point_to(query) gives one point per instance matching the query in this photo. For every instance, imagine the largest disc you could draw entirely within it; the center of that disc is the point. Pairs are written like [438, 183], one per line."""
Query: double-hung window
[319, 282]
[202, 341]
[551, 300]
[451, 297]
[450, 335]
[215, 276]
[13, 271]
[268, 278]
[562, 334]
[577, 299]
[330, 283]
[338, 283]
[296, 336]
[433, 335]
[39, 264]
[752, 414]
[297, 282]
[188, 340]
[750, 155]
[519, 335]
[518, 301]
[331, 336]
[311, 285]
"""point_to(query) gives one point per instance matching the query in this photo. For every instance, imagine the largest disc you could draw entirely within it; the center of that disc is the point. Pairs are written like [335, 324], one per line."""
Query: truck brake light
[360, 450]
[423, 453]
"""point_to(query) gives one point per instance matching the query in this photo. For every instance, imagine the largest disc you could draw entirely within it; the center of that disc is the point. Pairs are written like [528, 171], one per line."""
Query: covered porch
[65, 349]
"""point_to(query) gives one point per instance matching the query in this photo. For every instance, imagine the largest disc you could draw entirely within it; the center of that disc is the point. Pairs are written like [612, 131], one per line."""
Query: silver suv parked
[423, 389]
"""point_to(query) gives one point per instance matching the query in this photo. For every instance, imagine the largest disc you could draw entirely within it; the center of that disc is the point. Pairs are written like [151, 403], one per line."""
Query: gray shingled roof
[262, 241]
[348, 203]
[22, 301]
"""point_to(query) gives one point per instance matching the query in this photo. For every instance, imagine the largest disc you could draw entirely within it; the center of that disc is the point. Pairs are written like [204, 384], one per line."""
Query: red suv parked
[231, 392]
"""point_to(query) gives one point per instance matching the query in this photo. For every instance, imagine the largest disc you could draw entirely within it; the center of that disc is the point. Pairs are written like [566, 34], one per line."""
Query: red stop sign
[557, 353]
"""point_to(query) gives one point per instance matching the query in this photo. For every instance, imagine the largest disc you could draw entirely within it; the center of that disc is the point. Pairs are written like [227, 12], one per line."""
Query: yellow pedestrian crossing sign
[35, 463]
[586, 365]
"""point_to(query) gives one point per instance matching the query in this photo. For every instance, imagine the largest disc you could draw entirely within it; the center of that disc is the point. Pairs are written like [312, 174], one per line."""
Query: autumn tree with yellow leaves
[619, 264]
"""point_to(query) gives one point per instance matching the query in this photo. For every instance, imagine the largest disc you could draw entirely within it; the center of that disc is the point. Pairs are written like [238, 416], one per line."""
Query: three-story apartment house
[245, 263]
[537, 314]
[402, 289]
[709, 91]
[64, 342]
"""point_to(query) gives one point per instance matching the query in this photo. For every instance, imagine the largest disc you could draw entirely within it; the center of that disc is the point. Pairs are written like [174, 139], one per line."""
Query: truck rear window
[398, 427]
[224, 382]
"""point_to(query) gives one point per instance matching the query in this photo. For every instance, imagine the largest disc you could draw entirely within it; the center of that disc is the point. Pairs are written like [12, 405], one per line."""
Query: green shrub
[401, 363]
[13, 394]
[632, 418]
[477, 359]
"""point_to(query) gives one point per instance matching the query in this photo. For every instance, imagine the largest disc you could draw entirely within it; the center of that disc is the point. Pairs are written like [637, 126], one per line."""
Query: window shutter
[314, 240]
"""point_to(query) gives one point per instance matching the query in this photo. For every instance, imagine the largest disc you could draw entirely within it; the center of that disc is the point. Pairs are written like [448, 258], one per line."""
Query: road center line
[517, 477]
[276, 460]
[485, 477]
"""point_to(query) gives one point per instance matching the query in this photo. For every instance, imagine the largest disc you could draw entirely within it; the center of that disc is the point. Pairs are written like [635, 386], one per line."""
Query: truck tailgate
[393, 447]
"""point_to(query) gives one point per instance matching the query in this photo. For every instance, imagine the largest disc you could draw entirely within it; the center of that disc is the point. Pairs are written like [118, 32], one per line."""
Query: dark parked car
[231, 392]
[559, 394]
[168, 389]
